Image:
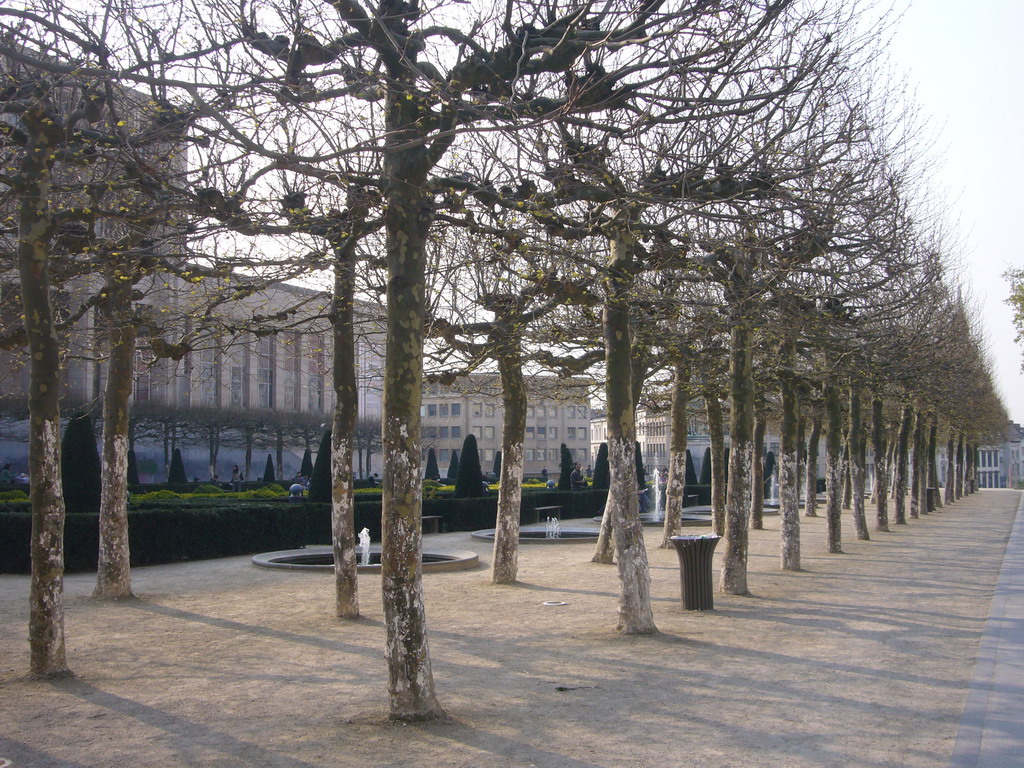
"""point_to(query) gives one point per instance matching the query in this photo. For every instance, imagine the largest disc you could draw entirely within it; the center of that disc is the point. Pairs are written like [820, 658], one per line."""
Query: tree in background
[268, 472]
[565, 469]
[453, 467]
[80, 465]
[470, 480]
[177, 475]
[320, 481]
[432, 473]
[602, 476]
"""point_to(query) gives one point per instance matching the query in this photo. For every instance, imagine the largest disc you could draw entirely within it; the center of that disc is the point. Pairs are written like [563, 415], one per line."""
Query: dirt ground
[863, 659]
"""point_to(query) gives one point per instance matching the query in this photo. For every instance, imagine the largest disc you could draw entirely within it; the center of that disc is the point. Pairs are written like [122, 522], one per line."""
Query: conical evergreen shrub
[80, 466]
[496, 469]
[176, 475]
[320, 480]
[565, 465]
[602, 475]
[470, 480]
[133, 468]
[268, 471]
[705, 467]
[769, 470]
[432, 473]
[306, 467]
[641, 477]
[691, 473]
[453, 467]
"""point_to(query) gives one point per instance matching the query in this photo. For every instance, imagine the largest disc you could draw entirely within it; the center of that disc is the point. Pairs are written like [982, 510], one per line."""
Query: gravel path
[863, 659]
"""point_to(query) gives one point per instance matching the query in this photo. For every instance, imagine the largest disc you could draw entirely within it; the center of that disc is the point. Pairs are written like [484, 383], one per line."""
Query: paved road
[991, 733]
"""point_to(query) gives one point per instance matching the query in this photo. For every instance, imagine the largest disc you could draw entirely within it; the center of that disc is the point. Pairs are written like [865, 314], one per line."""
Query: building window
[489, 409]
[315, 393]
[488, 454]
[529, 433]
[553, 433]
[528, 454]
[581, 434]
[479, 432]
[443, 409]
[581, 454]
[236, 385]
[208, 376]
[442, 433]
[432, 410]
[542, 433]
[553, 454]
[570, 433]
[456, 409]
[489, 433]
[265, 371]
[430, 432]
[442, 455]
[478, 409]
[456, 432]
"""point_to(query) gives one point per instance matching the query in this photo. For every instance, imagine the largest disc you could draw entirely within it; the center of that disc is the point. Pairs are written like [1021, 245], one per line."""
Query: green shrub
[208, 489]
[164, 535]
[176, 474]
[602, 472]
[470, 480]
[80, 466]
[13, 495]
[158, 496]
[320, 482]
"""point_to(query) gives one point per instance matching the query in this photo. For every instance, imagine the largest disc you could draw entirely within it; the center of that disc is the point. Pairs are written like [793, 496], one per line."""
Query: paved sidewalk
[991, 733]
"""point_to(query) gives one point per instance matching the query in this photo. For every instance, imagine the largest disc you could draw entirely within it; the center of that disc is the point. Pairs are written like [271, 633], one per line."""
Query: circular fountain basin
[688, 518]
[322, 559]
[539, 535]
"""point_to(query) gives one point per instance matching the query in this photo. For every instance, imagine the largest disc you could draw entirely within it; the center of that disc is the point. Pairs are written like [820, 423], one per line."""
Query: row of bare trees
[680, 201]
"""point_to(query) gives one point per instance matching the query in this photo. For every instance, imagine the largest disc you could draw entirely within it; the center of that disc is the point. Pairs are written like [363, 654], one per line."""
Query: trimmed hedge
[457, 514]
[164, 535]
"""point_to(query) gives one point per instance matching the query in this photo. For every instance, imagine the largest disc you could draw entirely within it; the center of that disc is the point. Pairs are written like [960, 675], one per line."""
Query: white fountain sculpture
[659, 494]
[364, 546]
[553, 529]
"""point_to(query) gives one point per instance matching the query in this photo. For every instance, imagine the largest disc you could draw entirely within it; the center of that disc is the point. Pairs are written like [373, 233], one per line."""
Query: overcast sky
[965, 62]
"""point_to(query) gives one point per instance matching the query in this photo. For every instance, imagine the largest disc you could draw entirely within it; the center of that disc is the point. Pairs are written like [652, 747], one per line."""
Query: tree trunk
[213, 445]
[834, 469]
[857, 444]
[675, 490]
[279, 454]
[902, 448]
[741, 449]
[510, 485]
[716, 431]
[879, 448]
[346, 414]
[847, 478]
[916, 466]
[933, 466]
[757, 475]
[113, 575]
[789, 464]
[813, 442]
[406, 220]
[960, 473]
[35, 230]
[635, 614]
[250, 435]
[950, 488]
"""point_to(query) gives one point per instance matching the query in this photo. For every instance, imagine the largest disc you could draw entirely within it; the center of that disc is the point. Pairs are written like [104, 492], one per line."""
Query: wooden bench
[543, 513]
[432, 523]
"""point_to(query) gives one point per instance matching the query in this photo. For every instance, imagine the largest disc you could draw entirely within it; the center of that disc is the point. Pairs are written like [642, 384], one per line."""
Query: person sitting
[5, 475]
[576, 478]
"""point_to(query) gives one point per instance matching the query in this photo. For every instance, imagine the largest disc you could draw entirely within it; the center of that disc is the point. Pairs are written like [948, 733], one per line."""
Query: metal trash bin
[695, 555]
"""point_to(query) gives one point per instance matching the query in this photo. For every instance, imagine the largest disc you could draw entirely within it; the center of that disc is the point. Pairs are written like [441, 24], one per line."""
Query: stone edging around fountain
[291, 559]
[566, 535]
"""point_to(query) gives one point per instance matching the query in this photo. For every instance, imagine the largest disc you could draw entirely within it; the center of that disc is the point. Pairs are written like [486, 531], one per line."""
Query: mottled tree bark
[113, 575]
[902, 448]
[833, 469]
[635, 614]
[879, 448]
[960, 474]
[757, 475]
[741, 449]
[35, 229]
[950, 487]
[675, 489]
[406, 222]
[856, 452]
[346, 413]
[916, 466]
[789, 464]
[933, 466]
[506, 535]
[813, 442]
[716, 432]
